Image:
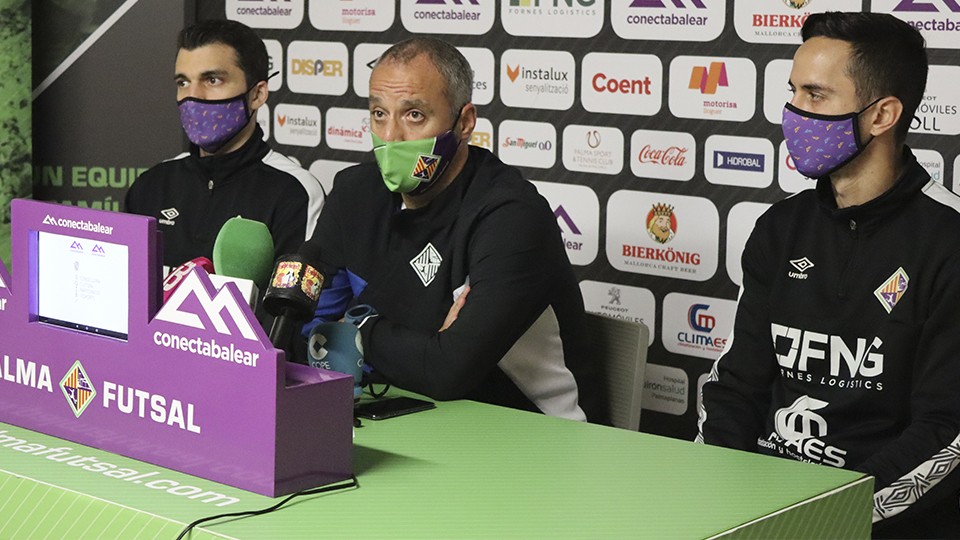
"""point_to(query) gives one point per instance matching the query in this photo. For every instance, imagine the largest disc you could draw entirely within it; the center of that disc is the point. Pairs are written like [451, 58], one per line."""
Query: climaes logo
[799, 432]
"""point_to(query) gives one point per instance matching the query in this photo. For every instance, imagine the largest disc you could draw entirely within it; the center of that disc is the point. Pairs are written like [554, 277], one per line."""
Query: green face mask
[414, 166]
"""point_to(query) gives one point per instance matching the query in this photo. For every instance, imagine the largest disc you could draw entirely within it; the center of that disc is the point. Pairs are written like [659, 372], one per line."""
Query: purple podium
[88, 354]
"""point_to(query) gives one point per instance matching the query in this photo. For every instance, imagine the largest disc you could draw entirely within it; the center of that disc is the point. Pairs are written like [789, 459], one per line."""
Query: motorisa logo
[352, 15]
[483, 134]
[552, 18]
[697, 325]
[932, 161]
[779, 21]
[348, 129]
[470, 17]
[537, 79]
[530, 144]
[274, 63]
[285, 14]
[738, 161]
[317, 67]
[264, 120]
[713, 88]
[482, 62]
[776, 89]
[622, 83]
[577, 210]
[192, 299]
[666, 155]
[297, 125]
[740, 221]
[790, 180]
[634, 304]
[662, 235]
[592, 149]
[937, 20]
[325, 170]
[669, 20]
[365, 56]
[937, 113]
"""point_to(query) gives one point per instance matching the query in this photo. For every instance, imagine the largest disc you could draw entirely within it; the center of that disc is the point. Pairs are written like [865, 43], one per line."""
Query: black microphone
[292, 294]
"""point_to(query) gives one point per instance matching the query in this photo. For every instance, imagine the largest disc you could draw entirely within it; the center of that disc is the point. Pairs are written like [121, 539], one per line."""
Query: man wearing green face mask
[458, 255]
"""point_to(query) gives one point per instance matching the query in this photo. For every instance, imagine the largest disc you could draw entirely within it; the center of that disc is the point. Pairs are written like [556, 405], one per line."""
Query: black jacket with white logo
[192, 197]
[516, 341]
[846, 344]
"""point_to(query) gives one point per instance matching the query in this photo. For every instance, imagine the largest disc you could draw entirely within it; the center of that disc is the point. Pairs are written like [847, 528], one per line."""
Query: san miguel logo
[661, 223]
[77, 388]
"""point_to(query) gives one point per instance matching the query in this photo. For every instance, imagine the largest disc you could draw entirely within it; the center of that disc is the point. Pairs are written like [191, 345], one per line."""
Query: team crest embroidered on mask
[425, 168]
[893, 289]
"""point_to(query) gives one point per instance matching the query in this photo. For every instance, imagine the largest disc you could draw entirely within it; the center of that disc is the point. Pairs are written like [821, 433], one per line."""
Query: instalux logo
[77, 388]
[169, 215]
[802, 265]
[175, 311]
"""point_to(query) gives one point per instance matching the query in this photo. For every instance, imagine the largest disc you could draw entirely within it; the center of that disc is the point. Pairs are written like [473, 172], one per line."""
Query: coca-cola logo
[674, 156]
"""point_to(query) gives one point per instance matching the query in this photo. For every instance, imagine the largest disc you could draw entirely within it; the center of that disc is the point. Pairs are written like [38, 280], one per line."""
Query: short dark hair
[251, 52]
[888, 57]
[451, 64]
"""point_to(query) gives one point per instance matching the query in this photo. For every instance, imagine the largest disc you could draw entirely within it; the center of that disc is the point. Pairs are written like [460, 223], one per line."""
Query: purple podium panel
[88, 354]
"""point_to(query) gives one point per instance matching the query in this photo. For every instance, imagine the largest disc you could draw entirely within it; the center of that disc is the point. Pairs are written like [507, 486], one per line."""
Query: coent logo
[601, 83]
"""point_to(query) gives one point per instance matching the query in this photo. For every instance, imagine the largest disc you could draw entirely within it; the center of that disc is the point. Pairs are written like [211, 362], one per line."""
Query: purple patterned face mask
[211, 123]
[820, 144]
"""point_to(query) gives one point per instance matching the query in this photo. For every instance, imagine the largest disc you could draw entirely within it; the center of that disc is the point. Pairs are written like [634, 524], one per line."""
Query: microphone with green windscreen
[244, 249]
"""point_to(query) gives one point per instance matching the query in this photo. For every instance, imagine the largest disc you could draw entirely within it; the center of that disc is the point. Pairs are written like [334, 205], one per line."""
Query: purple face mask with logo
[820, 144]
[211, 123]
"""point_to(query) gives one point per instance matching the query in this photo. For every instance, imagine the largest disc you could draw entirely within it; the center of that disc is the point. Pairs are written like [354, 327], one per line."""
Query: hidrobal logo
[739, 161]
[192, 291]
[77, 388]
[708, 79]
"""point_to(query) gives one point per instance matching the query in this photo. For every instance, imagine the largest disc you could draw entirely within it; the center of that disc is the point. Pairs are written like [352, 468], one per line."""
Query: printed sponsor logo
[893, 289]
[264, 120]
[828, 360]
[77, 388]
[317, 67]
[325, 170]
[552, 18]
[297, 125]
[802, 265]
[365, 56]
[764, 21]
[77, 225]
[938, 112]
[738, 161]
[192, 294]
[634, 304]
[673, 20]
[426, 264]
[676, 237]
[622, 83]
[470, 17]
[26, 373]
[713, 88]
[740, 221]
[168, 216]
[798, 434]
[76, 247]
[788, 177]
[275, 64]
[537, 79]
[532, 144]
[697, 325]
[664, 155]
[937, 20]
[284, 14]
[348, 129]
[352, 15]
[483, 134]
[482, 63]
[592, 149]
[776, 89]
[665, 389]
[932, 161]
[577, 210]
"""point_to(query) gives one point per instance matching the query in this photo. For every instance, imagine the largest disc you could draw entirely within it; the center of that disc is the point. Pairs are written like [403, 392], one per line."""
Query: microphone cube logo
[312, 282]
[286, 275]
[77, 388]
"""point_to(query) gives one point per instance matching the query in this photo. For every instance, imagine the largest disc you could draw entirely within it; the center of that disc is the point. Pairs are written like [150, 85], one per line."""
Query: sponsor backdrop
[651, 127]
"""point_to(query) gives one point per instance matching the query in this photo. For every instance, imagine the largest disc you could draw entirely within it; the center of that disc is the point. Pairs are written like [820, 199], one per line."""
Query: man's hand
[455, 309]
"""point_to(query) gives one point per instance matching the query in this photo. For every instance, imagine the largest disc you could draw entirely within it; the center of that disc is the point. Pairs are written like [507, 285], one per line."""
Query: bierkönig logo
[661, 223]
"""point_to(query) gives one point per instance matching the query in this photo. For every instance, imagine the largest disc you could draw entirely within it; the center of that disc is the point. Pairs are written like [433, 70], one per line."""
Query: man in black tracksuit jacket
[847, 334]
[474, 292]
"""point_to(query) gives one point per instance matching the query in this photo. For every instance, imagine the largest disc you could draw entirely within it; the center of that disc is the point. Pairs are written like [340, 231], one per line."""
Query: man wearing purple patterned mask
[845, 342]
[221, 74]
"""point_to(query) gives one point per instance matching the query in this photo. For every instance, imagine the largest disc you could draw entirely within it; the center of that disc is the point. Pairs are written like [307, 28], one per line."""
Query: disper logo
[739, 161]
[661, 223]
[828, 360]
[707, 80]
[309, 66]
[799, 430]
[77, 388]
[192, 291]
[927, 7]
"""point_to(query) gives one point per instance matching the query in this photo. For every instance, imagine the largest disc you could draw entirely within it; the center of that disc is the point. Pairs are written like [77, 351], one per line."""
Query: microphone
[336, 346]
[175, 277]
[292, 294]
[244, 249]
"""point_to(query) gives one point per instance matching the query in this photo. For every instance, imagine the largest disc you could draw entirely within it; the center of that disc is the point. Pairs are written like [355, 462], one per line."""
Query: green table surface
[463, 470]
